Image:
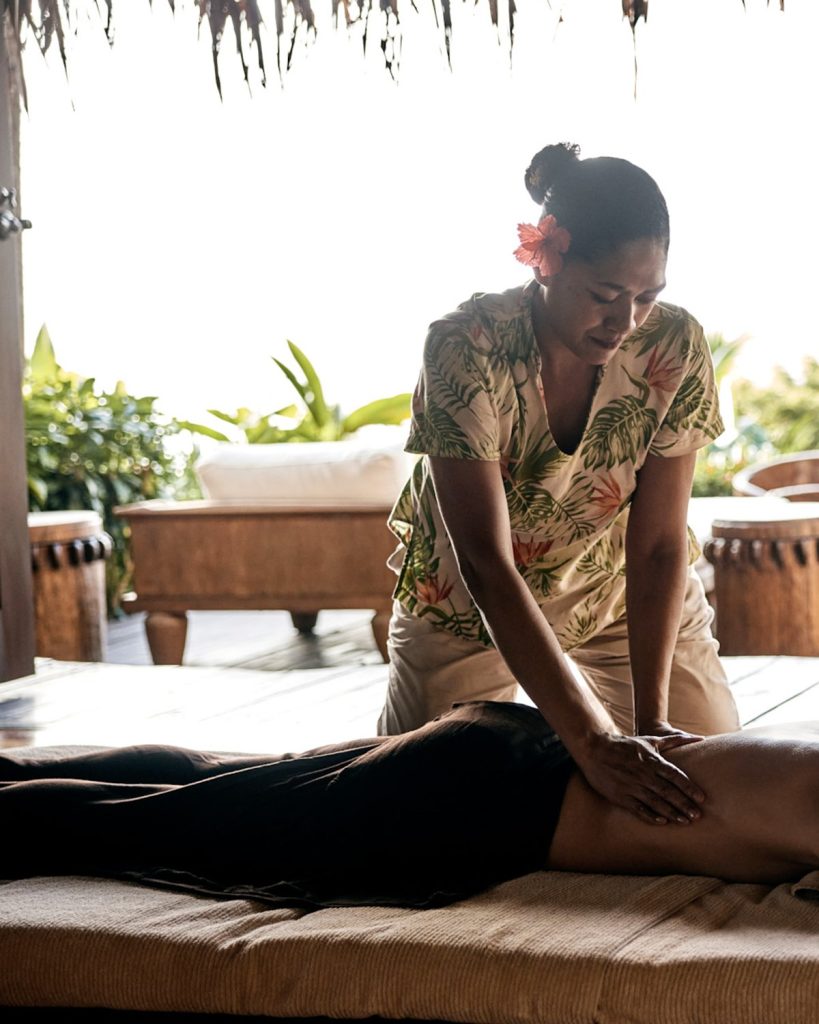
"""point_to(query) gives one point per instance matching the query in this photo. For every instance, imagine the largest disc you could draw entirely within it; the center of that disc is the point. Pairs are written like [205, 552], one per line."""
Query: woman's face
[591, 308]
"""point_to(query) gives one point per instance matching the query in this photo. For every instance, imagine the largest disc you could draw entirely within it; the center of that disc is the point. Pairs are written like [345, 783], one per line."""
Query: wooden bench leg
[380, 627]
[166, 632]
[304, 622]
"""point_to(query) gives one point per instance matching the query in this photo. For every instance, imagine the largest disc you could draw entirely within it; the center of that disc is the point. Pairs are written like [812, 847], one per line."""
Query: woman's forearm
[530, 648]
[655, 587]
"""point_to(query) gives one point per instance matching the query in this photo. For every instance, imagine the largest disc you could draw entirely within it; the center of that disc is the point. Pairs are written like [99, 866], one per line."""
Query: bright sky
[179, 240]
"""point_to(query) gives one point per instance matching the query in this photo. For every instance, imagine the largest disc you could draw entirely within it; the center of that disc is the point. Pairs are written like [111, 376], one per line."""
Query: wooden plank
[801, 707]
[254, 639]
[16, 599]
[226, 709]
[773, 681]
[241, 709]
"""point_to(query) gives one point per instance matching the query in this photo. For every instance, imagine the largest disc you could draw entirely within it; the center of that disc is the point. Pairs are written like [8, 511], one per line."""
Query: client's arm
[761, 822]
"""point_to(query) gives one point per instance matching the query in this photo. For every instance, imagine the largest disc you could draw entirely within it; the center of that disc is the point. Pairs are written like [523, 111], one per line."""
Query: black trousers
[421, 819]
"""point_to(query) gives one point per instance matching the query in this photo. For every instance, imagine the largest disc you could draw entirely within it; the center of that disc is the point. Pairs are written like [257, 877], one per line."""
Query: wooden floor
[251, 683]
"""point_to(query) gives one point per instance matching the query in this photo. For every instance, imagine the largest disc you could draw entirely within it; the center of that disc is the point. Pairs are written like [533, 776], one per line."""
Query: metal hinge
[10, 223]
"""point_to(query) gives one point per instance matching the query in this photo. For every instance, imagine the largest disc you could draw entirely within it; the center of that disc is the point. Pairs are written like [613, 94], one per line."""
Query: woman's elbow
[658, 557]
[483, 570]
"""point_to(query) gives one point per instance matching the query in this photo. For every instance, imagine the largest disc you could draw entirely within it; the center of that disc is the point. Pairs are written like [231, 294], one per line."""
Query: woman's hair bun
[546, 166]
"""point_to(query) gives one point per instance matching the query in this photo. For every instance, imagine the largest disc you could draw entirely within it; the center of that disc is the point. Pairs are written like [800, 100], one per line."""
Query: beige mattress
[549, 947]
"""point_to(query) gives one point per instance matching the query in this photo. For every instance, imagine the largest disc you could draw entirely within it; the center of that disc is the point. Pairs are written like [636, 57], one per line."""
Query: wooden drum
[68, 552]
[766, 580]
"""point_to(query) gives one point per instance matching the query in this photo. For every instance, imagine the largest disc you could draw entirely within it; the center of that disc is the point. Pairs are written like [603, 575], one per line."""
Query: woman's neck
[558, 362]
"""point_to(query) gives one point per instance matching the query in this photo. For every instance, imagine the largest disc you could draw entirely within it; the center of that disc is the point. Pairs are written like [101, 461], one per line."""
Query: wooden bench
[298, 557]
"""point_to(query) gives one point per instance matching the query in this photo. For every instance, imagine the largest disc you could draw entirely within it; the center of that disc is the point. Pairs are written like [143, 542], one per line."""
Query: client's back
[760, 821]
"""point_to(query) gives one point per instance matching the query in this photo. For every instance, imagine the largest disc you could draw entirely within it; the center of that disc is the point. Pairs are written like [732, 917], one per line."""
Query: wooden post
[16, 600]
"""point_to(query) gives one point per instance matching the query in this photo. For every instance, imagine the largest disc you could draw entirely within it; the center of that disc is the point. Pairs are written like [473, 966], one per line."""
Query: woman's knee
[700, 698]
[430, 670]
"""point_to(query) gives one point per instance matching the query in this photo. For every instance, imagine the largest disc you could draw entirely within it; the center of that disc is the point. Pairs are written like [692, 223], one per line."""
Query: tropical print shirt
[480, 396]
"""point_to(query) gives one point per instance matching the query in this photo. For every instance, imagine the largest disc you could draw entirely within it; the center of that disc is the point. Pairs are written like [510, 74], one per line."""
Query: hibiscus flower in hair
[543, 246]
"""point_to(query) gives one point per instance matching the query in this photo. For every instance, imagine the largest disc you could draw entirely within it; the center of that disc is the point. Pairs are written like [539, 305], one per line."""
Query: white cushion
[370, 466]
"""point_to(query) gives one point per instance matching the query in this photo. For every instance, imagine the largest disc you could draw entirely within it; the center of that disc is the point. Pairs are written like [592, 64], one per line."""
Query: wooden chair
[795, 477]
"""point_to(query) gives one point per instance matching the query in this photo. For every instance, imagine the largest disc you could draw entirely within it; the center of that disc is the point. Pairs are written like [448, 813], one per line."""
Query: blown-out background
[179, 239]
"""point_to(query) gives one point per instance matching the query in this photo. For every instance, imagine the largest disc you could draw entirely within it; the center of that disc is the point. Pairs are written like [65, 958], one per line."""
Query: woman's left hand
[663, 736]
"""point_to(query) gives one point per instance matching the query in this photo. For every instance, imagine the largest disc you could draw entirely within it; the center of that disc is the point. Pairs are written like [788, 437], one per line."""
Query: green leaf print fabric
[480, 396]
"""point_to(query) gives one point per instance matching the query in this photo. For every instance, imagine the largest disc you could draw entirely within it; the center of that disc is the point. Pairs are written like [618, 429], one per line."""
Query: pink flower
[528, 551]
[607, 497]
[430, 591]
[543, 245]
[662, 375]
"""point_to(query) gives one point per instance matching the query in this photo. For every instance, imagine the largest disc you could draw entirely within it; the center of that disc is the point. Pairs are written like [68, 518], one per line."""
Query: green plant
[776, 419]
[724, 353]
[93, 449]
[787, 410]
[315, 421]
[719, 461]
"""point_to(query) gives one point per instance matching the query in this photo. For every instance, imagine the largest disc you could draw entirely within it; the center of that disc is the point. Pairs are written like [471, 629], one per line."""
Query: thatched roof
[48, 21]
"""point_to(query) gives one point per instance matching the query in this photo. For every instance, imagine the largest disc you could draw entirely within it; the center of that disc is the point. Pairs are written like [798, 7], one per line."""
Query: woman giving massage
[559, 424]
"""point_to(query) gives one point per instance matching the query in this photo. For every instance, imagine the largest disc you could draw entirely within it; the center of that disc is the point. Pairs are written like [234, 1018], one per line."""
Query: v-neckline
[598, 380]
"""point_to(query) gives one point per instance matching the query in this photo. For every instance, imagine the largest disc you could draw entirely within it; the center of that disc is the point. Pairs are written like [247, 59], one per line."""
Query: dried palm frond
[634, 10]
[47, 20]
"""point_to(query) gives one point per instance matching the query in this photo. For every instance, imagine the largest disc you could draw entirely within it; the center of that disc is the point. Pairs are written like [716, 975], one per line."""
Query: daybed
[551, 948]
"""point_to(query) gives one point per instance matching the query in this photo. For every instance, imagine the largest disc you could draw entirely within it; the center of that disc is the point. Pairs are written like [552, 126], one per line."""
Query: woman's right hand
[631, 772]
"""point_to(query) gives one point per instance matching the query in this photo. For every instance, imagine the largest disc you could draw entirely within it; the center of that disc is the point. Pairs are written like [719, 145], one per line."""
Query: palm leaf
[200, 428]
[316, 404]
[599, 563]
[310, 390]
[446, 436]
[450, 393]
[531, 505]
[543, 578]
[618, 433]
[265, 433]
[225, 416]
[38, 489]
[513, 341]
[302, 390]
[52, 19]
[671, 330]
[392, 411]
[724, 353]
[43, 364]
[582, 626]
[689, 408]
[289, 412]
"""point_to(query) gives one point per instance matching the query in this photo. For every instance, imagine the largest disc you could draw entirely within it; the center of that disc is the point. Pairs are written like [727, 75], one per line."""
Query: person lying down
[481, 795]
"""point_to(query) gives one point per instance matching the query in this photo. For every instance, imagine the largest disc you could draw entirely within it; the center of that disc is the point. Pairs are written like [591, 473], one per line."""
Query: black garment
[421, 819]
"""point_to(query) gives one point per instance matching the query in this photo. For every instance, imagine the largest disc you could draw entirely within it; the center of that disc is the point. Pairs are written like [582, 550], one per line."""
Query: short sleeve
[693, 419]
[454, 411]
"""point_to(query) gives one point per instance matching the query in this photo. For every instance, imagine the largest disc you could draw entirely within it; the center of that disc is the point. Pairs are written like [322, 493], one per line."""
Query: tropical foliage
[787, 411]
[775, 419]
[87, 448]
[311, 420]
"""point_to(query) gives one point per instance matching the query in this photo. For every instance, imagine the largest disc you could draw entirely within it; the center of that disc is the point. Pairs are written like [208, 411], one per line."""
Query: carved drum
[766, 580]
[68, 552]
